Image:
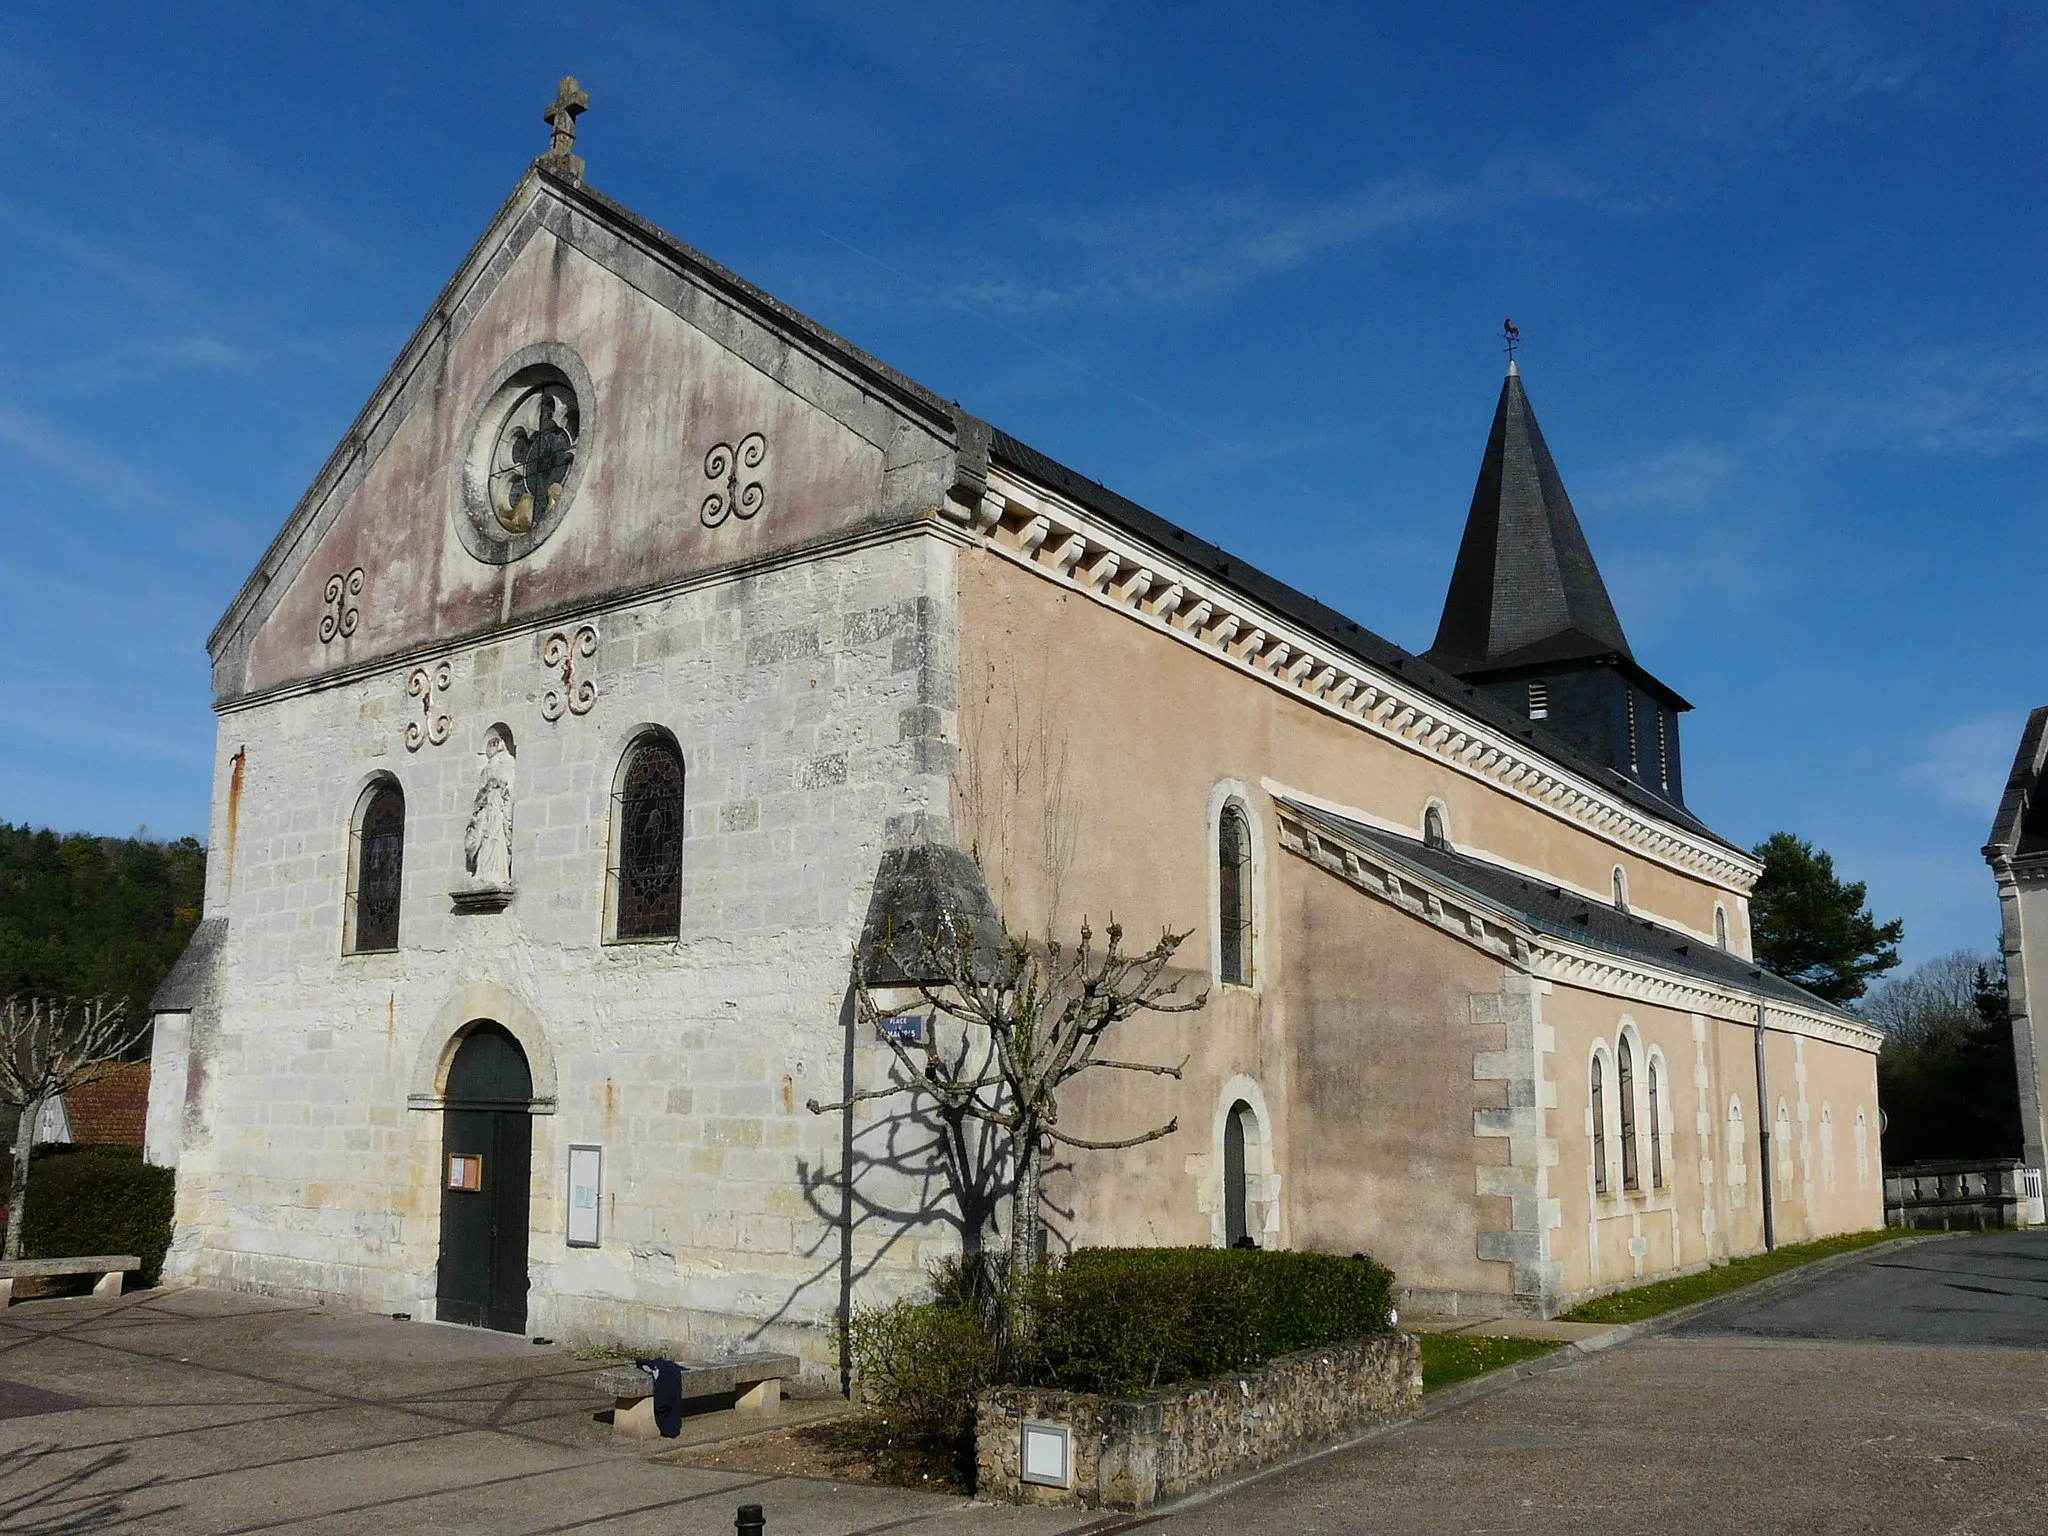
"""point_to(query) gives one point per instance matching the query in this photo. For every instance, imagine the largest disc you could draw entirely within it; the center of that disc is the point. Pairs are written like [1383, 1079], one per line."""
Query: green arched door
[486, 1181]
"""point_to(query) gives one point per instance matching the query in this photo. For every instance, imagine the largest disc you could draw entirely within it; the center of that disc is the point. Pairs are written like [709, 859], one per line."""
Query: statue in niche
[487, 844]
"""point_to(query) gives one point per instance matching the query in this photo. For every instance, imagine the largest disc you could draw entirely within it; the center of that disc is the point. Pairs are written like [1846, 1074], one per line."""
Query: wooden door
[486, 1184]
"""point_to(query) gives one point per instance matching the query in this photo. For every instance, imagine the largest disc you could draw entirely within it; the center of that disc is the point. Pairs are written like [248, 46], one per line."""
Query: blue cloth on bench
[668, 1395]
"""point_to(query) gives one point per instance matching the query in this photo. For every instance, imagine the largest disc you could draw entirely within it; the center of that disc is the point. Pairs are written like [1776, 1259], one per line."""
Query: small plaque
[903, 1028]
[1046, 1455]
[465, 1170]
[586, 1186]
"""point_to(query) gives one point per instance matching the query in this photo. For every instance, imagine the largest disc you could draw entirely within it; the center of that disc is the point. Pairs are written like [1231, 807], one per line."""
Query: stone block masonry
[309, 1168]
[1137, 1452]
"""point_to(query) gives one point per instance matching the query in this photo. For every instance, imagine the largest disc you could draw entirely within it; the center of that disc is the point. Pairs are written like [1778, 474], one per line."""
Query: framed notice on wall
[586, 1188]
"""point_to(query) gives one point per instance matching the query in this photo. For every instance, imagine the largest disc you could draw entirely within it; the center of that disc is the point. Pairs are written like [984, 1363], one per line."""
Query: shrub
[920, 1366]
[98, 1200]
[1125, 1320]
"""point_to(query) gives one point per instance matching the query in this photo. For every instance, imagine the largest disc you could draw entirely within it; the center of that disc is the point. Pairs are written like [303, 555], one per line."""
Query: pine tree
[1811, 927]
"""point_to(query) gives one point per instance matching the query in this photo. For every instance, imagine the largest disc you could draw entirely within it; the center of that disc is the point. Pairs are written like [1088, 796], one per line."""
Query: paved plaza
[1903, 1391]
[202, 1411]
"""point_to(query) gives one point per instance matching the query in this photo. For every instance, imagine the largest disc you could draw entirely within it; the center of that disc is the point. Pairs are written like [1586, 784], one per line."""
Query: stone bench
[110, 1267]
[755, 1380]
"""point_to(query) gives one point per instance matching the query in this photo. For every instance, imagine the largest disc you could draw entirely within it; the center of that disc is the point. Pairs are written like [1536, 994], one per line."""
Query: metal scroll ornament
[341, 615]
[576, 694]
[724, 466]
[424, 684]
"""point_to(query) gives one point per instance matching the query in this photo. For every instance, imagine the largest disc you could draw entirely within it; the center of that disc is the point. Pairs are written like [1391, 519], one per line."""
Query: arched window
[376, 865]
[1625, 1087]
[1721, 926]
[1236, 1190]
[1656, 1130]
[1433, 828]
[1620, 889]
[647, 869]
[1599, 1132]
[1234, 892]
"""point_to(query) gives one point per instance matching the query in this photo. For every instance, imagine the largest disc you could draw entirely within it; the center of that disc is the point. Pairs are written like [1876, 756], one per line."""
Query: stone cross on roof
[571, 102]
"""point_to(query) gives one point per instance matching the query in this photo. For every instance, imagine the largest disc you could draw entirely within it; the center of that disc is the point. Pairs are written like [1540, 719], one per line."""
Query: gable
[712, 428]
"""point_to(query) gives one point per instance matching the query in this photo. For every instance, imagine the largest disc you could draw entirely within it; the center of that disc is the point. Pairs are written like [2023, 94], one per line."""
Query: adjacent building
[2018, 855]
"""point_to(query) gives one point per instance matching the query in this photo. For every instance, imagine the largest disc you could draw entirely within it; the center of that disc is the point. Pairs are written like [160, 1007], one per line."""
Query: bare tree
[1939, 998]
[47, 1049]
[1028, 1024]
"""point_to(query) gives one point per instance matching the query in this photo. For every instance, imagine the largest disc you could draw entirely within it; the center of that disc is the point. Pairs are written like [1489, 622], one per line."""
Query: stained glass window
[379, 867]
[1234, 882]
[1657, 1132]
[648, 873]
[1625, 1086]
[1599, 1132]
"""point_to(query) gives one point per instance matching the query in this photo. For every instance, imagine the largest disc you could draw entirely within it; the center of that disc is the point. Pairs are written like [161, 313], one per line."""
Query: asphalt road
[1904, 1392]
[1961, 1292]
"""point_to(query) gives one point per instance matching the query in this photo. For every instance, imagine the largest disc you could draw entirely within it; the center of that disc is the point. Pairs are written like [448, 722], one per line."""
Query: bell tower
[1528, 621]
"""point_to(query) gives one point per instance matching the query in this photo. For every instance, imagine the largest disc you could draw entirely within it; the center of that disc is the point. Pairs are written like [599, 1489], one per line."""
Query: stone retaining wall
[1133, 1453]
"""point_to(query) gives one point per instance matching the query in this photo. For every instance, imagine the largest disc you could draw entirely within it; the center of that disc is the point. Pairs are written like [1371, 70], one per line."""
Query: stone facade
[803, 692]
[1134, 1453]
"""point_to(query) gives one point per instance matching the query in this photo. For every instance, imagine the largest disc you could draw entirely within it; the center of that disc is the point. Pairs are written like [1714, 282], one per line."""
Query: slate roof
[1525, 589]
[1551, 909]
[1332, 627]
[923, 894]
[191, 980]
[2020, 827]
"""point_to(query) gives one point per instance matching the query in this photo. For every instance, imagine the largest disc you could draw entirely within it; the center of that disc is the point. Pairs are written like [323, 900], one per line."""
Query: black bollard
[750, 1522]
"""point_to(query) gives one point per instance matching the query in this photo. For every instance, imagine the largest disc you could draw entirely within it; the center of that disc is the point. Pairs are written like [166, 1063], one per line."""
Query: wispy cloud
[1976, 402]
[132, 495]
[1204, 245]
[1706, 95]
[1966, 764]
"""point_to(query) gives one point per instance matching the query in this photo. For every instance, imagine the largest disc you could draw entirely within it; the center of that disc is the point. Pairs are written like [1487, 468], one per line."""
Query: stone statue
[487, 845]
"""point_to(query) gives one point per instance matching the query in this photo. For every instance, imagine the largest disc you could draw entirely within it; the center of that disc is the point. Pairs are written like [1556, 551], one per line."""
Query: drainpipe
[1763, 1125]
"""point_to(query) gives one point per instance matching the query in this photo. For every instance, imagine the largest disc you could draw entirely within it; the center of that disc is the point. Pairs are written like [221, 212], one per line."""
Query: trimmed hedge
[98, 1200]
[1126, 1320]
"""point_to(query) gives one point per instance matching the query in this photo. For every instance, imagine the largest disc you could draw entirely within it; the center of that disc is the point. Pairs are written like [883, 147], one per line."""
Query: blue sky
[1778, 269]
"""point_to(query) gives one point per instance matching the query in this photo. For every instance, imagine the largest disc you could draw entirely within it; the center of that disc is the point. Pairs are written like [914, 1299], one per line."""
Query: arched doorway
[486, 1179]
[1236, 1228]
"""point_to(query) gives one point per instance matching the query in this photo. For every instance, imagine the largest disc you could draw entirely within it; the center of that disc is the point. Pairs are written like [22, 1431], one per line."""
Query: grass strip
[1660, 1296]
[1449, 1357]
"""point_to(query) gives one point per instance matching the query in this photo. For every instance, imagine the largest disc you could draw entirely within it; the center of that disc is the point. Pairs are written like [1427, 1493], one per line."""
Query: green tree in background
[1810, 926]
[1945, 1076]
[98, 917]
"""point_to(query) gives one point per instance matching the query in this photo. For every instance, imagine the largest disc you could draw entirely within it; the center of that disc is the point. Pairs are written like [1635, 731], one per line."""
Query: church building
[643, 644]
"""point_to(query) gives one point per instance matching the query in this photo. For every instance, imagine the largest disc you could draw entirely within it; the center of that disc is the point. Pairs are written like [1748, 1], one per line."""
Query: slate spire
[1525, 590]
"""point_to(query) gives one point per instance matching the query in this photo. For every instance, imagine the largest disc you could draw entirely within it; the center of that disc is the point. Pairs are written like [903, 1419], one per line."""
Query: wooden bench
[110, 1267]
[756, 1380]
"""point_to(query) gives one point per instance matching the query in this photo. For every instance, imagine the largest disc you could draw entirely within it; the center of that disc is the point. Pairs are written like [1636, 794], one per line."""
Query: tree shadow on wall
[905, 1173]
